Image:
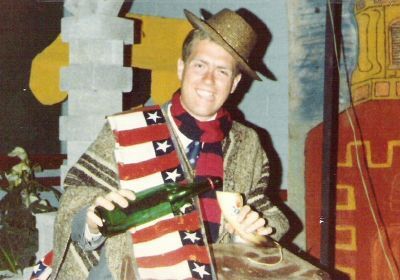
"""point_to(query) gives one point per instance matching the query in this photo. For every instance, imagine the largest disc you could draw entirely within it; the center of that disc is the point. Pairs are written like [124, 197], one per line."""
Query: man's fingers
[128, 194]
[117, 198]
[265, 230]
[255, 225]
[105, 203]
[243, 213]
[250, 219]
[93, 219]
[251, 222]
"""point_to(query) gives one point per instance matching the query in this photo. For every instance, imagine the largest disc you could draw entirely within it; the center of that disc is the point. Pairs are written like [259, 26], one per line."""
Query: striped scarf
[210, 160]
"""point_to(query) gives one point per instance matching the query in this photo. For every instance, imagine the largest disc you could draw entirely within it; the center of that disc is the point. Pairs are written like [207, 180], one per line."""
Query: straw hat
[232, 32]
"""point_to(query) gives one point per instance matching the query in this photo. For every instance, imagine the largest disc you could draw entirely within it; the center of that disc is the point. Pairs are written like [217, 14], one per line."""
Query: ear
[236, 80]
[180, 68]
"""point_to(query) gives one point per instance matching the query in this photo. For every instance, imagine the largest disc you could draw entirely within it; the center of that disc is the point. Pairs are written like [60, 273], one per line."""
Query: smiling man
[208, 76]
[191, 138]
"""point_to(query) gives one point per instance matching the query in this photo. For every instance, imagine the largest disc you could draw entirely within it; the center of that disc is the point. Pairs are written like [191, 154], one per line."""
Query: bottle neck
[192, 189]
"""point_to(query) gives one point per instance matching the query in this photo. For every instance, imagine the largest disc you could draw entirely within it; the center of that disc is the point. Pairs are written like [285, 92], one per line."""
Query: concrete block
[97, 27]
[90, 102]
[87, 7]
[96, 77]
[82, 51]
[108, 7]
[80, 128]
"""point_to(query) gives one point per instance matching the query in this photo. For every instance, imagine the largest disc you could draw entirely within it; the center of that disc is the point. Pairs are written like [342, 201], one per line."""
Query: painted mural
[367, 224]
[306, 84]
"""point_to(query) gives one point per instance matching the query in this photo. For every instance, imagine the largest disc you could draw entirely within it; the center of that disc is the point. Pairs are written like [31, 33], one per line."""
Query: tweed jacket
[246, 170]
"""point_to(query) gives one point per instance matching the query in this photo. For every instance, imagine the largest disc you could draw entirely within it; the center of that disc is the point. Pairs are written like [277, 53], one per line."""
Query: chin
[202, 115]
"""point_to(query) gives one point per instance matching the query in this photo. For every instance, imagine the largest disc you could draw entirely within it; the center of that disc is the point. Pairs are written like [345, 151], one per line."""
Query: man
[202, 140]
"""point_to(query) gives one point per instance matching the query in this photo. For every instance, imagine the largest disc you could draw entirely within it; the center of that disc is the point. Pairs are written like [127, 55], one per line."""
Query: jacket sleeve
[94, 174]
[247, 170]
[258, 199]
[80, 230]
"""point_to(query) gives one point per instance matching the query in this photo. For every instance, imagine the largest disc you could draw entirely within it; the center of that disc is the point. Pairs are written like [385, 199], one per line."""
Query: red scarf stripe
[144, 168]
[209, 165]
[188, 222]
[177, 121]
[142, 135]
[210, 210]
[213, 131]
[187, 252]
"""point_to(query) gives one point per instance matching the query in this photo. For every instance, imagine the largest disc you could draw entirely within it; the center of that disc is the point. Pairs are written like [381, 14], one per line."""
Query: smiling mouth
[207, 95]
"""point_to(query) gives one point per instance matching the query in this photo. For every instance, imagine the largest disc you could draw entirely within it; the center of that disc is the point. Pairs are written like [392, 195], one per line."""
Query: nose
[209, 76]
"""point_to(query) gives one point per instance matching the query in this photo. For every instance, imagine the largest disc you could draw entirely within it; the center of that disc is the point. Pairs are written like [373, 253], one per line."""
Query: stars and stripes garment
[173, 246]
[246, 170]
[42, 269]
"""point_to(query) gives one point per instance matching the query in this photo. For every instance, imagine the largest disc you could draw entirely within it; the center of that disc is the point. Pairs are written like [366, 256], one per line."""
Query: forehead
[206, 49]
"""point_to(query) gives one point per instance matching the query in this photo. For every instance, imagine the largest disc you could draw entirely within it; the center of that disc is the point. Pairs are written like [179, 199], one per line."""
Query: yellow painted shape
[364, 63]
[351, 198]
[159, 50]
[392, 144]
[352, 245]
[44, 80]
[371, 59]
[375, 64]
[348, 270]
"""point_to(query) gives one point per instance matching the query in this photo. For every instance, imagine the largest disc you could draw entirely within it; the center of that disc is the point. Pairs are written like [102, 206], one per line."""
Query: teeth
[205, 93]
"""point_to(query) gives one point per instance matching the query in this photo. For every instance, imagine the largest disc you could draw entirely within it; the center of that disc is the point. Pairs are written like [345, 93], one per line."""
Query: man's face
[207, 78]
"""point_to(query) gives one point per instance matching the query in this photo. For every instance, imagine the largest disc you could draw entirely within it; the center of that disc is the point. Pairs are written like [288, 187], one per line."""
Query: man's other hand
[250, 222]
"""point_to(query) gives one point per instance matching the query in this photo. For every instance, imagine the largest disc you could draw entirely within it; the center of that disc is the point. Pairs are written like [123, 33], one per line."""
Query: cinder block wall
[95, 77]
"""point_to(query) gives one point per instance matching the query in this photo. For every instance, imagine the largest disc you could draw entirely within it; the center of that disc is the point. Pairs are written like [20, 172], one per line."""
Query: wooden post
[330, 133]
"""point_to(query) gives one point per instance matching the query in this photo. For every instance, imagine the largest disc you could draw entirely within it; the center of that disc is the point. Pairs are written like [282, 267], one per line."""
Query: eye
[198, 65]
[225, 72]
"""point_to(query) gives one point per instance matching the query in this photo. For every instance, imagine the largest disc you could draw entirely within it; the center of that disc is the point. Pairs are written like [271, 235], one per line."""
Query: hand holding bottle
[108, 202]
[148, 205]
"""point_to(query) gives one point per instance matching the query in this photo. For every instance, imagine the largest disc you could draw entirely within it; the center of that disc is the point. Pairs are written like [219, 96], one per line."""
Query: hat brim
[202, 25]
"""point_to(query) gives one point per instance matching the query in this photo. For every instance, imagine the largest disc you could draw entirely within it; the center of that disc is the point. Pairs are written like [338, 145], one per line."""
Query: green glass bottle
[152, 204]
